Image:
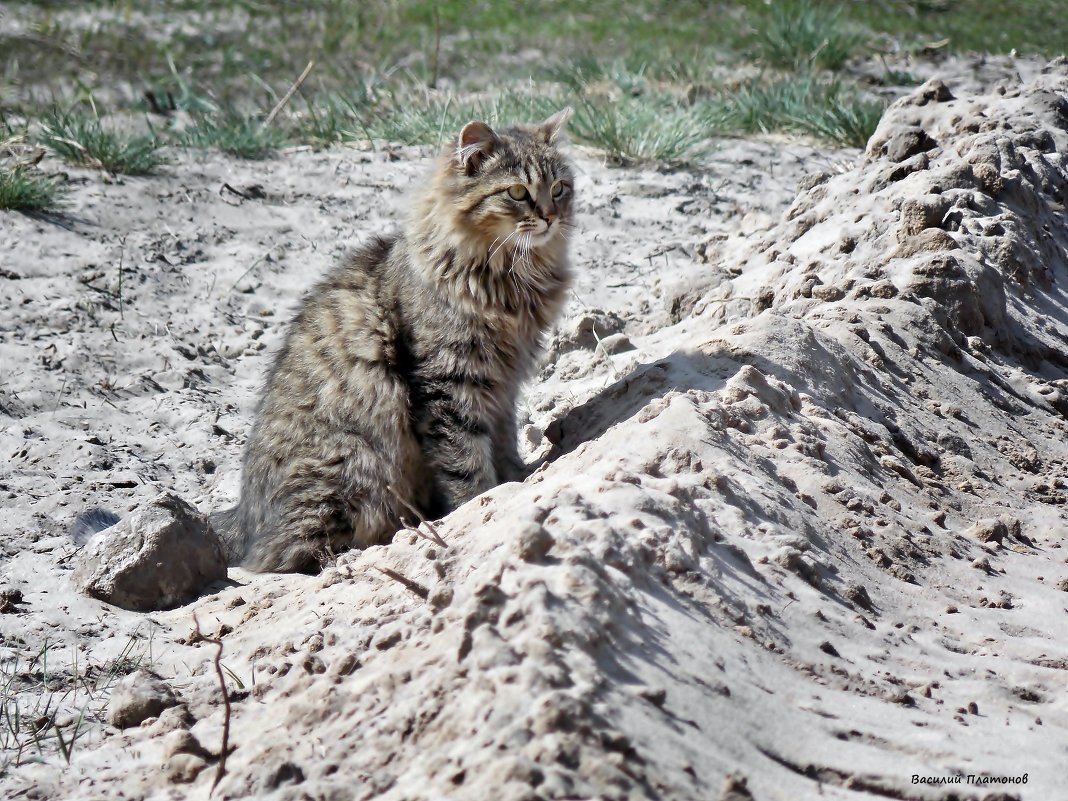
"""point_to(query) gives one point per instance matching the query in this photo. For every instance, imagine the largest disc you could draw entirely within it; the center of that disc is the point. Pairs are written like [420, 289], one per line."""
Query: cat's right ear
[476, 143]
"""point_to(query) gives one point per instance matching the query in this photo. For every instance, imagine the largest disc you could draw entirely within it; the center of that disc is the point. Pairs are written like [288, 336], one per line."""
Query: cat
[395, 389]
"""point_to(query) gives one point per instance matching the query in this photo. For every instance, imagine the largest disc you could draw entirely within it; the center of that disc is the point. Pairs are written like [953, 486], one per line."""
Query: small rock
[172, 719]
[138, 697]
[907, 142]
[616, 343]
[10, 598]
[973, 708]
[183, 742]
[533, 542]
[857, 594]
[183, 768]
[990, 530]
[829, 649]
[735, 788]
[883, 289]
[158, 557]
[827, 292]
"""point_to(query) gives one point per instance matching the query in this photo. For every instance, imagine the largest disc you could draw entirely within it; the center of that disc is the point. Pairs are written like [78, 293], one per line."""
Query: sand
[798, 520]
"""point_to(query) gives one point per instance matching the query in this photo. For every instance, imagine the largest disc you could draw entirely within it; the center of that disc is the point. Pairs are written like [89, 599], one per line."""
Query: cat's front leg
[506, 459]
[459, 451]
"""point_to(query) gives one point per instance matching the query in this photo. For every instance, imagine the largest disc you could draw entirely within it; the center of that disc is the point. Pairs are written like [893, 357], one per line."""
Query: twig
[220, 771]
[122, 256]
[437, 48]
[420, 533]
[285, 98]
[265, 257]
[434, 535]
[414, 586]
[227, 188]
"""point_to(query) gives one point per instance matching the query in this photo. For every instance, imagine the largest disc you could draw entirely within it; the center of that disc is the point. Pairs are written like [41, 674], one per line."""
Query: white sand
[819, 409]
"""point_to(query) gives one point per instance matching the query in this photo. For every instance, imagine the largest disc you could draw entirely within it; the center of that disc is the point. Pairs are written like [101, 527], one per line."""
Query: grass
[48, 708]
[410, 71]
[23, 188]
[632, 130]
[81, 139]
[429, 117]
[801, 104]
[804, 33]
[235, 133]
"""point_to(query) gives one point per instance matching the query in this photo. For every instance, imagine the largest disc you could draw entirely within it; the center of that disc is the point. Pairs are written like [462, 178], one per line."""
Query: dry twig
[434, 536]
[414, 586]
[220, 771]
[286, 97]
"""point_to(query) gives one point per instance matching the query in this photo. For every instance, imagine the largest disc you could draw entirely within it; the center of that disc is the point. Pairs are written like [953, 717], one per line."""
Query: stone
[138, 697]
[158, 557]
[533, 542]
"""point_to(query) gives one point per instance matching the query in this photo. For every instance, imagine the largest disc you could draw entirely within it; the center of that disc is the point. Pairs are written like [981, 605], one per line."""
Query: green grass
[408, 71]
[803, 33]
[801, 104]
[428, 118]
[23, 188]
[235, 133]
[81, 139]
[634, 131]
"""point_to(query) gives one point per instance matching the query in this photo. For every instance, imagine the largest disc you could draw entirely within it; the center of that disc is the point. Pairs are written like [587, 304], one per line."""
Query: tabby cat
[395, 389]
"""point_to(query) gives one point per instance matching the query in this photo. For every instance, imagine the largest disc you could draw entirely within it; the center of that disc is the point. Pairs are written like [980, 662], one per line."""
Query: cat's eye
[517, 192]
[558, 189]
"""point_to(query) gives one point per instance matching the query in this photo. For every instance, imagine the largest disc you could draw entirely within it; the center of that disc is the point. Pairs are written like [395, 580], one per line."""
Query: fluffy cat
[395, 388]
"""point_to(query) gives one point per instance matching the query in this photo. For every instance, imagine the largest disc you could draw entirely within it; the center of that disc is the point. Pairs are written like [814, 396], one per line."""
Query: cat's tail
[225, 523]
[91, 522]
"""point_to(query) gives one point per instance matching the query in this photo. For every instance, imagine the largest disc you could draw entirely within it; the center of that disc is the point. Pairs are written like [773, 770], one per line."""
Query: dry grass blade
[281, 104]
[434, 536]
[413, 586]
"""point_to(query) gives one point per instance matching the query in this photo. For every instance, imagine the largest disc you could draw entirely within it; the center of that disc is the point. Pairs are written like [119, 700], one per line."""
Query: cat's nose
[548, 217]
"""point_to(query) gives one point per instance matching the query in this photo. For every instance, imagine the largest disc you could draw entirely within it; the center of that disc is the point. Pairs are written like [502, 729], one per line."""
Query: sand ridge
[807, 531]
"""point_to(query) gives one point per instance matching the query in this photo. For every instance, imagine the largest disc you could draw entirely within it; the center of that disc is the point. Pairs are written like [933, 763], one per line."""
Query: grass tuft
[234, 133]
[634, 130]
[81, 139]
[804, 33]
[847, 121]
[50, 699]
[23, 188]
[433, 117]
[801, 105]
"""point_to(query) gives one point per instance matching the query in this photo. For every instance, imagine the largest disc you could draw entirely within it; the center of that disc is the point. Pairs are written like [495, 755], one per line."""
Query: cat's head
[512, 186]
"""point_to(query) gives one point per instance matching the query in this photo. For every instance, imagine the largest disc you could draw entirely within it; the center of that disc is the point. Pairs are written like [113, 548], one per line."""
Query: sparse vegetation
[81, 138]
[634, 130]
[803, 104]
[801, 34]
[24, 188]
[49, 701]
[646, 84]
[238, 134]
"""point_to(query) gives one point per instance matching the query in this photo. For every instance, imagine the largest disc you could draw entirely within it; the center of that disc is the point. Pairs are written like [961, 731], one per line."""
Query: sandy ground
[755, 547]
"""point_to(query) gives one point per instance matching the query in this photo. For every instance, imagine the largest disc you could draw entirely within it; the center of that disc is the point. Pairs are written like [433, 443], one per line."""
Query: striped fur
[396, 386]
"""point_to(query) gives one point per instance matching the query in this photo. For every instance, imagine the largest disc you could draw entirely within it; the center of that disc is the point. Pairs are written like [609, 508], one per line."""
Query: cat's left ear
[554, 126]
[476, 143]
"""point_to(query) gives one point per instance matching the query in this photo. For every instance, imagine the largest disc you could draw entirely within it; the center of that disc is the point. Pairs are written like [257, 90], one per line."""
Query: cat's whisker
[505, 242]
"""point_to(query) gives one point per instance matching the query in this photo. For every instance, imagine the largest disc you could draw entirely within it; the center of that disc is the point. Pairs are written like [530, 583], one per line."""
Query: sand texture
[799, 516]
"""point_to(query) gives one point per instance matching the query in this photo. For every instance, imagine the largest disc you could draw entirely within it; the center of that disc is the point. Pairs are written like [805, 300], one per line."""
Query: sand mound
[810, 540]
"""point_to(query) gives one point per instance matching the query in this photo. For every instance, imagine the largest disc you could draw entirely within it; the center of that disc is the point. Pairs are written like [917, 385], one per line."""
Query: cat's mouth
[541, 233]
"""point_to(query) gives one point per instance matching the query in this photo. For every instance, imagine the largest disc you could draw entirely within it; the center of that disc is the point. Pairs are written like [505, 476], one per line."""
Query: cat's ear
[554, 126]
[476, 143]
